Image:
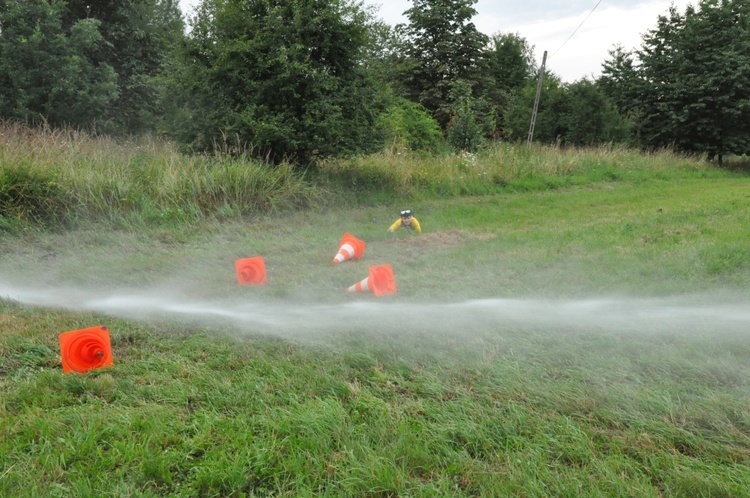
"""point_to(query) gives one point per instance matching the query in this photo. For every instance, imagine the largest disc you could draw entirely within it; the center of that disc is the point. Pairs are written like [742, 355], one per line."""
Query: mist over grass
[376, 410]
[576, 329]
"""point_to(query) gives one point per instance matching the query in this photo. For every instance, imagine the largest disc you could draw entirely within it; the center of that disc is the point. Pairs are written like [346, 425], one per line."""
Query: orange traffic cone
[350, 247]
[85, 349]
[251, 271]
[380, 282]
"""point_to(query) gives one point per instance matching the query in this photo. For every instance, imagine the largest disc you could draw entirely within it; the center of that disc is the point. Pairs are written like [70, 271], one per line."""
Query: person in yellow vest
[406, 221]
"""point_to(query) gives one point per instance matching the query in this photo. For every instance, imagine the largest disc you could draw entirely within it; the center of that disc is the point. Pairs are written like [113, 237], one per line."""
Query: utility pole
[536, 100]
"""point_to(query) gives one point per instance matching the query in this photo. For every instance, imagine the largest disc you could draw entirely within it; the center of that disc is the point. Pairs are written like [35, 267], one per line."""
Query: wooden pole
[536, 100]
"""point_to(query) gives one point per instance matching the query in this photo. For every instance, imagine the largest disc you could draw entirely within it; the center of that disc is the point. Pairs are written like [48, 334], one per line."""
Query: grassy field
[577, 331]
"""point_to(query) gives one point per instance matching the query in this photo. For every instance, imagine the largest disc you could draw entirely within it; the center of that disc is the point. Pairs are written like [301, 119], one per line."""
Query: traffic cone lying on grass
[380, 282]
[251, 271]
[85, 349]
[350, 247]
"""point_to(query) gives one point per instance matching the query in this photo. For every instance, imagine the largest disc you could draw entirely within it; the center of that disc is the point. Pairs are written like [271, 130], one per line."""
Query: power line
[576, 30]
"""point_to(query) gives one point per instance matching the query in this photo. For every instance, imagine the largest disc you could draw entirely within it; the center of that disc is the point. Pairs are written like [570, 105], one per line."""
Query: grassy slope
[412, 406]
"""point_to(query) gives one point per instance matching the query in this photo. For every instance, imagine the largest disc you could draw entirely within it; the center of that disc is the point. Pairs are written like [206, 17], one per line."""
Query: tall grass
[61, 175]
[58, 176]
[505, 167]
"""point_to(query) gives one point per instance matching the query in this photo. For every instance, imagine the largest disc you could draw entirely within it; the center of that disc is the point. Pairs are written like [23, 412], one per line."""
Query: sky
[577, 34]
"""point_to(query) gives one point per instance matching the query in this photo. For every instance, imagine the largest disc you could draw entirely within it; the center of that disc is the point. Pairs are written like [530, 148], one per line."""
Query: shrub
[410, 125]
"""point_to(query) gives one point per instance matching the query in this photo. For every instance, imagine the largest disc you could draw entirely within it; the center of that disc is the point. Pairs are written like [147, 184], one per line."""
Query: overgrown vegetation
[63, 176]
[52, 176]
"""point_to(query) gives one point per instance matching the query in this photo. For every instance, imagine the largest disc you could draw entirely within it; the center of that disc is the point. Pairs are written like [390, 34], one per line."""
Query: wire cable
[576, 30]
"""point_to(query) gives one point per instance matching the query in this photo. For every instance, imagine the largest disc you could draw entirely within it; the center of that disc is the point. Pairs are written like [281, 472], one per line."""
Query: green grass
[511, 411]
[506, 167]
[543, 342]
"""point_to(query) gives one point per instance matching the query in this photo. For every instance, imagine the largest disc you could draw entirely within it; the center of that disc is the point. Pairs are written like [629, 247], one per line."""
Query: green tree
[286, 79]
[510, 67]
[472, 119]
[589, 117]
[87, 63]
[619, 80]
[714, 70]
[517, 116]
[383, 51]
[686, 87]
[52, 72]
[141, 37]
[574, 114]
[511, 61]
[443, 46]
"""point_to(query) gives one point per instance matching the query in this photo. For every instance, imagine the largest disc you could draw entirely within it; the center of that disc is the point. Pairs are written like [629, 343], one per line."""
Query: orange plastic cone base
[251, 271]
[85, 349]
[380, 282]
[350, 247]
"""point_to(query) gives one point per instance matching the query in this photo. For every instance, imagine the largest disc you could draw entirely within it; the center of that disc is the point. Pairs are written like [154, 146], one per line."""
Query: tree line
[298, 80]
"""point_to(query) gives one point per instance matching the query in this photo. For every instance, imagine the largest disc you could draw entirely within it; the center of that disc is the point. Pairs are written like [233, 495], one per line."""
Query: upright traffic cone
[85, 349]
[251, 271]
[380, 282]
[350, 247]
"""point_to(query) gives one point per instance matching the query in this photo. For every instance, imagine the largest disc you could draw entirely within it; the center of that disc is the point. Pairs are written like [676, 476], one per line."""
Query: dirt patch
[441, 239]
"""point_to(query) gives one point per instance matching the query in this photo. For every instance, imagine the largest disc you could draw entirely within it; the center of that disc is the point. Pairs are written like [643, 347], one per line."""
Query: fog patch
[397, 314]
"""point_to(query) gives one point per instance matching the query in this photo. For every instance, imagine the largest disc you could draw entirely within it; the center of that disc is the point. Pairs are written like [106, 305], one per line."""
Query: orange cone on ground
[251, 271]
[350, 247]
[85, 349]
[380, 282]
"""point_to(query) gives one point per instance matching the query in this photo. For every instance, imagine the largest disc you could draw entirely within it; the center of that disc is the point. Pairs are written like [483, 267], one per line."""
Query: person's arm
[396, 225]
[416, 226]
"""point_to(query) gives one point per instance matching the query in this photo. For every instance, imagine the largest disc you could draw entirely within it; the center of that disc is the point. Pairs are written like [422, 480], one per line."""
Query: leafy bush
[410, 125]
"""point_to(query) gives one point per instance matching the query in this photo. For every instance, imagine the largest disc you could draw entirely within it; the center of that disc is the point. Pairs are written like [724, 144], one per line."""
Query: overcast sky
[549, 24]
